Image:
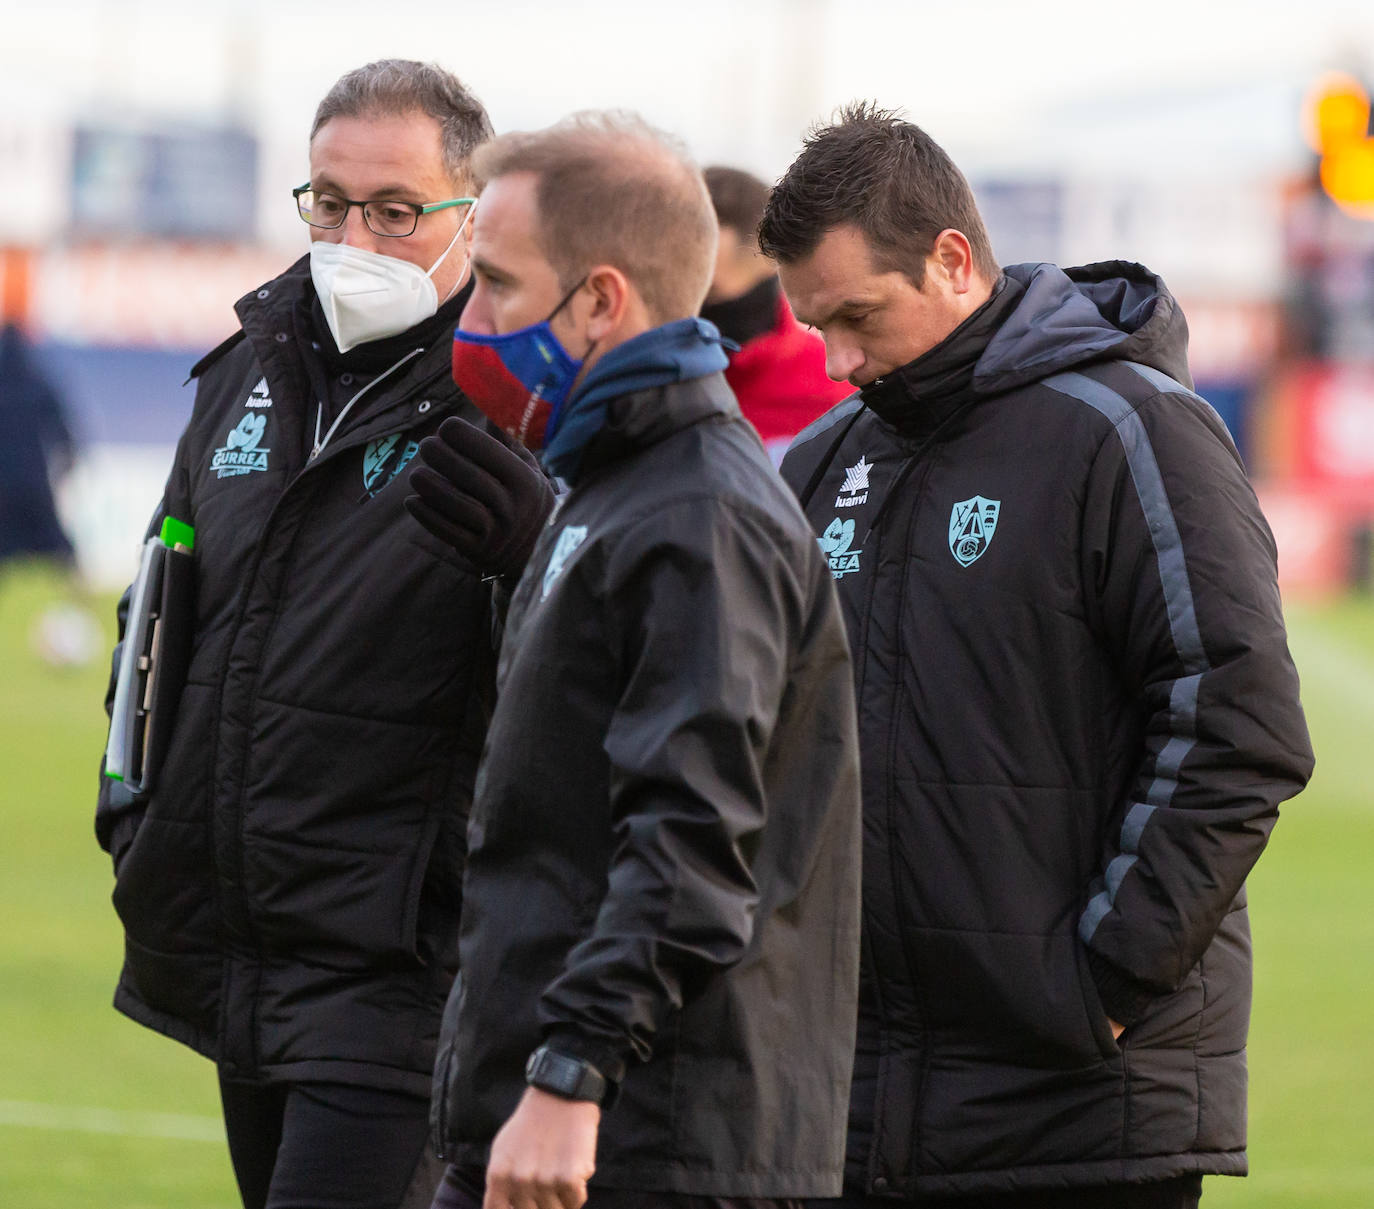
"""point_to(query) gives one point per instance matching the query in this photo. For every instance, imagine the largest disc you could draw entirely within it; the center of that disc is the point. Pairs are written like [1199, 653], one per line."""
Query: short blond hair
[612, 189]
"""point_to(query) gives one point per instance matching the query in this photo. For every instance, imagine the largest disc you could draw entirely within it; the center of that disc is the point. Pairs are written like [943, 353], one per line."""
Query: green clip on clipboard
[154, 657]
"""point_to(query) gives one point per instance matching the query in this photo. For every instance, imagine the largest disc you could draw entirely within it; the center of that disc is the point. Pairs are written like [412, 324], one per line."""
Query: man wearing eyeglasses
[290, 885]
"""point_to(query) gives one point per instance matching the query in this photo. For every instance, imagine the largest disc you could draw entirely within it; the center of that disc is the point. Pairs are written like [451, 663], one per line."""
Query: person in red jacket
[778, 375]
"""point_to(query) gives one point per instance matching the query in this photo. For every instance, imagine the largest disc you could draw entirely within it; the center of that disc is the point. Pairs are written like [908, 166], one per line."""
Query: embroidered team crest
[835, 543]
[240, 453]
[855, 489]
[384, 459]
[568, 541]
[971, 526]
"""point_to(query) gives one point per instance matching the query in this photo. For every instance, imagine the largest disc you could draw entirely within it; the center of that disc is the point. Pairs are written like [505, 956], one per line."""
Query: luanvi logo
[855, 489]
[259, 396]
[240, 453]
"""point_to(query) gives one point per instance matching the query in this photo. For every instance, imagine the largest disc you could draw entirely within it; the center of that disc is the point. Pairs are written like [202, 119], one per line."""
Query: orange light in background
[1336, 125]
[1335, 112]
[16, 284]
[1348, 178]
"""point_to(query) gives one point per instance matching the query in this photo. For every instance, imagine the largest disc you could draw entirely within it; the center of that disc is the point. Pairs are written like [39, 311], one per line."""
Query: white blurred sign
[150, 295]
[106, 503]
[34, 159]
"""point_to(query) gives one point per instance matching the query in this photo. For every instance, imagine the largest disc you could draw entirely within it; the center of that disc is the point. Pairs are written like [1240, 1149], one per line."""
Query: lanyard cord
[320, 442]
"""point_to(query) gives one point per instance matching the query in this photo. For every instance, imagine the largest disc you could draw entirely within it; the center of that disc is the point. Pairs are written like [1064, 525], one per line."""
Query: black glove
[480, 496]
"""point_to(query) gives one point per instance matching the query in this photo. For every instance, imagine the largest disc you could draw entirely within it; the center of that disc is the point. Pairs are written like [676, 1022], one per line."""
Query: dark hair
[401, 86]
[870, 169]
[739, 198]
[614, 190]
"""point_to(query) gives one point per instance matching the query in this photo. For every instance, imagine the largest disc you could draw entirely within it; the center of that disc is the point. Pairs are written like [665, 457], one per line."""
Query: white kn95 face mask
[368, 296]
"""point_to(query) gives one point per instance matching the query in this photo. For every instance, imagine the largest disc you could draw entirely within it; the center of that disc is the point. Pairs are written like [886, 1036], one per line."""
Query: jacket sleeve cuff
[1123, 998]
[567, 1040]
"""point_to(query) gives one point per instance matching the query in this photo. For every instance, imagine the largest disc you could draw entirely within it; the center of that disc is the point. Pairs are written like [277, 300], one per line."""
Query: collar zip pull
[322, 441]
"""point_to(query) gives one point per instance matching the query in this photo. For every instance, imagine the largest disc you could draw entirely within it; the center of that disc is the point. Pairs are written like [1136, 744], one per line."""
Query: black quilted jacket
[1078, 717]
[290, 892]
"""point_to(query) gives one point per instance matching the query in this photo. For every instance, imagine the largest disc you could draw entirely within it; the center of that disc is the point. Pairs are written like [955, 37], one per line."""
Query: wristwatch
[561, 1075]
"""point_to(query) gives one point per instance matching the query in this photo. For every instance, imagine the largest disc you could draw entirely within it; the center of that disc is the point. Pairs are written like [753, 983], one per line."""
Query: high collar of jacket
[622, 404]
[1040, 320]
[287, 307]
[754, 313]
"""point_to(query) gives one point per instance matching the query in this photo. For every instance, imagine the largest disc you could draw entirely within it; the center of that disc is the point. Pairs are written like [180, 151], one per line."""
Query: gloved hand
[480, 496]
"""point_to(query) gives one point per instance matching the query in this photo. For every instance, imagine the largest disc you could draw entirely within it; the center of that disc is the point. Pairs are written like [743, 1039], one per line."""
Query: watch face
[564, 1076]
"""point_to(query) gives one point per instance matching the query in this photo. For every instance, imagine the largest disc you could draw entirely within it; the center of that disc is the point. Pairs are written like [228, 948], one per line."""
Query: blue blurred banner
[170, 184]
[122, 396]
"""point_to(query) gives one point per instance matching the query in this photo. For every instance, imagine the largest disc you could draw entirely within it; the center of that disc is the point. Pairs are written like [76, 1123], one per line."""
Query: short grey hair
[612, 189]
[399, 86]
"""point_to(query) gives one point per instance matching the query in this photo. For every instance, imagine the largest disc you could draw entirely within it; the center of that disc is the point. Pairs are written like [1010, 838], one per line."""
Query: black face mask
[751, 314]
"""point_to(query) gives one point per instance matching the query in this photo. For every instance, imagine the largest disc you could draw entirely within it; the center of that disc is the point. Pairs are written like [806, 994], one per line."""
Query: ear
[611, 297]
[952, 258]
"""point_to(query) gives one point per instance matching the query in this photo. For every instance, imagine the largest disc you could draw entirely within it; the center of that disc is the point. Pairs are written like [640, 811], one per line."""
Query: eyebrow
[842, 310]
[326, 184]
[482, 265]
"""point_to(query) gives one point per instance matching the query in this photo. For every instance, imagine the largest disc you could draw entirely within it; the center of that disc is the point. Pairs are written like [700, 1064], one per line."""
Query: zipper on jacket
[913, 966]
[873, 1171]
[322, 441]
[239, 906]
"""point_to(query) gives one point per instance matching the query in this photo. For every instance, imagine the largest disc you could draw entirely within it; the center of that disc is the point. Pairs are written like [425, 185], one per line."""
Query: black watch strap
[565, 1076]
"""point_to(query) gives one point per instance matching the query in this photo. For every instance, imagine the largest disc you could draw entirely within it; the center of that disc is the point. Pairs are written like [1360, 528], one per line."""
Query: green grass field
[96, 1111]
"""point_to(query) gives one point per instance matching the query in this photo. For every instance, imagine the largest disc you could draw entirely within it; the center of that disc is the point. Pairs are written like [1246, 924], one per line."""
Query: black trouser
[328, 1146]
[1180, 1193]
[462, 1189]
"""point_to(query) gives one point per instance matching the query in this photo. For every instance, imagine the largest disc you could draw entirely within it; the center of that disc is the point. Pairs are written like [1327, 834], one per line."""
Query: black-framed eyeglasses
[393, 219]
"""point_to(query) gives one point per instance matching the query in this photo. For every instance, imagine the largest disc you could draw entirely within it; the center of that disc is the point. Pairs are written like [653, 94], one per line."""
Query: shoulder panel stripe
[1179, 603]
[1154, 501]
[1167, 385]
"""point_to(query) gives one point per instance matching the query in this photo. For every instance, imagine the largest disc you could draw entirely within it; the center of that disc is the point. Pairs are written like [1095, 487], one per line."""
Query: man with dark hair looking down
[1078, 714]
[659, 944]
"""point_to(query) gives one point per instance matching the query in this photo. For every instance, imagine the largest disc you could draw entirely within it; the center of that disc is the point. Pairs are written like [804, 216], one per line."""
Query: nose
[355, 232]
[476, 316]
[842, 359]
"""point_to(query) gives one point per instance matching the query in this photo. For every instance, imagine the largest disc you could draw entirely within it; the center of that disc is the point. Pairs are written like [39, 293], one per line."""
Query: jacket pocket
[410, 925]
[441, 1087]
[162, 890]
[344, 908]
[123, 833]
[1012, 998]
[1098, 1021]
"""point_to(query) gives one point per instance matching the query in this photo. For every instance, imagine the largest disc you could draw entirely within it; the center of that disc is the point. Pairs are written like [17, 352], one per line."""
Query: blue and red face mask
[519, 380]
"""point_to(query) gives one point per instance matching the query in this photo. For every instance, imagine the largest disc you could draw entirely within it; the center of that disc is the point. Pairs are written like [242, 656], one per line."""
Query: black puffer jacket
[1078, 717]
[663, 875]
[290, 894]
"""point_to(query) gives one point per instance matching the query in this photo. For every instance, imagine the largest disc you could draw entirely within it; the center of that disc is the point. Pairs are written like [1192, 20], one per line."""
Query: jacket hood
[1115, 310]
[1039, 320]
[680, 351]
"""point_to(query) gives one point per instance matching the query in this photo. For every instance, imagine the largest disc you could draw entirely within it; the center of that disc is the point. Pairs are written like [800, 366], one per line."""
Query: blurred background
[147, 153]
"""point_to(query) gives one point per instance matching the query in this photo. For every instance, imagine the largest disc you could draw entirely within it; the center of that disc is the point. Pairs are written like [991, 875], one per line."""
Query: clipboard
[154, 658]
